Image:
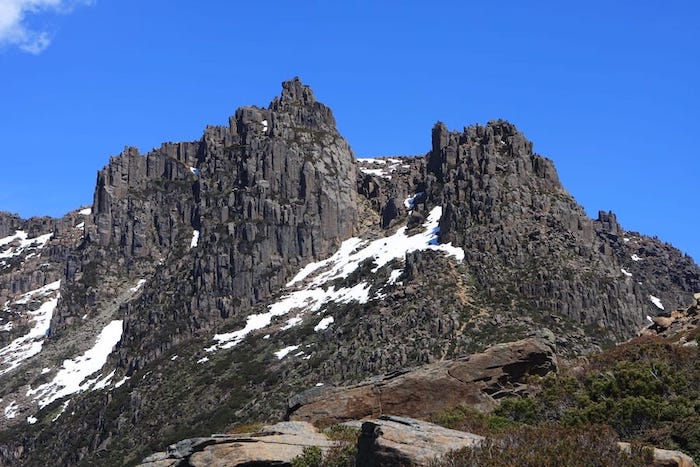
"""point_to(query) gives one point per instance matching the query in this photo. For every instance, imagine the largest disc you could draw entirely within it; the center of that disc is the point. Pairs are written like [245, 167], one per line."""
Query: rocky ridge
[199, 242]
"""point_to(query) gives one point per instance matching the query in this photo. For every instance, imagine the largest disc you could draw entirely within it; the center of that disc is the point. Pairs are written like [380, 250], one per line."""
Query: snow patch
[173, 358]
[380, 167]
[195, 239]
[410, 202]
[394, 276]
[24, 243]
[32, 420]
[307, 300]
[80, 226]
[369, 160]
[121, 382]
[264, 124]
[85, 212]
[291, 322]
[71, 377]
[635, 257]
[628, 274]
[104, 382]
[203, 360]
[377, 172]
[63, 409]
[194, 170]
[324, 323]
[138, 285]
[354, 251]
[283, 352]
[31, 343]
[656, 301]
[318, 385]
[41, 292]
[11, 410]
[313, 278]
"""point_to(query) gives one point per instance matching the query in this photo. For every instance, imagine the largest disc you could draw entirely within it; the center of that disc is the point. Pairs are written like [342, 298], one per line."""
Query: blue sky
[608, 90]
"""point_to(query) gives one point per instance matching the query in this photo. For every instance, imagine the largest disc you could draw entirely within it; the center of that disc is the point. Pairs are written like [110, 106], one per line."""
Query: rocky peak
[9, 223]
[238, 211]
[607, 221]
[521, 231]
[294, 91]
[497, 148]
[301, 109]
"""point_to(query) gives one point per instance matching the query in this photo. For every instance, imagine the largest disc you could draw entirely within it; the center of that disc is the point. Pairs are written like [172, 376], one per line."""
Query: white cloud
[14, 30]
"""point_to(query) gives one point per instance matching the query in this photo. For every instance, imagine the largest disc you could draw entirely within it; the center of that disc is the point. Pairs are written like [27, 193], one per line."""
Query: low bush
[647, 390]
[548, 445]
[341, 455]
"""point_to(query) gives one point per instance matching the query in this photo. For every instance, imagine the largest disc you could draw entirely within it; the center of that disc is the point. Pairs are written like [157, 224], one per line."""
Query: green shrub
[311, 457]
[645, 390]
[343, 454]
[466, 418]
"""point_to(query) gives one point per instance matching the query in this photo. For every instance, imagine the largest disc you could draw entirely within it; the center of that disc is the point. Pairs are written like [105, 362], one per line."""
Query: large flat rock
[477, 380]
[399, 441]
[273, 445]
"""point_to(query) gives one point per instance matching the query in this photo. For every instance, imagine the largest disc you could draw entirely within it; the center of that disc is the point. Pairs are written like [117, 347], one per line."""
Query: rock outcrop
[272, 445]
[665, 457]
[677, 323]
[33, 253]
[402, 441]
[529, 243]
[476, 380]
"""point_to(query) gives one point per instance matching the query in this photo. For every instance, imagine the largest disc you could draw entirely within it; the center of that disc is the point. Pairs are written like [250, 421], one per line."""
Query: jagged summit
[497, 146]
[263, 259]
[297, 92]
[299, 103]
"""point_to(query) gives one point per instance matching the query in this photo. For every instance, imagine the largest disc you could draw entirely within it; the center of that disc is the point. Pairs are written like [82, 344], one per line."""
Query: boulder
[680, 322]
[272, 445]
[665, 457]
[477, 380]
[399, 441]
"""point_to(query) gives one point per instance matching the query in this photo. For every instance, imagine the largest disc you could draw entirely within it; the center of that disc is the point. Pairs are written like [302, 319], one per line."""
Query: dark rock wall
[35, 268]
[528, 242]
[271, 192]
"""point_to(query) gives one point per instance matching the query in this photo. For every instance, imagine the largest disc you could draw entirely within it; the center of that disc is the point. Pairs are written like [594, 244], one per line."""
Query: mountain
[212, 280]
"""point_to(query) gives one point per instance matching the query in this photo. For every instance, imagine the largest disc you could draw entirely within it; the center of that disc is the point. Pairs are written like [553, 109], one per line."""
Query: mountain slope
[237, 270]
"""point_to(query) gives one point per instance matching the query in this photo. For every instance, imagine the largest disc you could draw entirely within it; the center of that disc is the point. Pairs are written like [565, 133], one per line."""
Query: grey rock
[401, 441]
[272, 445]
[531, 245]
[665, 457]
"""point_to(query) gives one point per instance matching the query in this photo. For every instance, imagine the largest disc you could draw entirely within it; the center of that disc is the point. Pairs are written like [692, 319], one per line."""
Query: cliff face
[234, 271]
[213, 227]
[529, 243]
